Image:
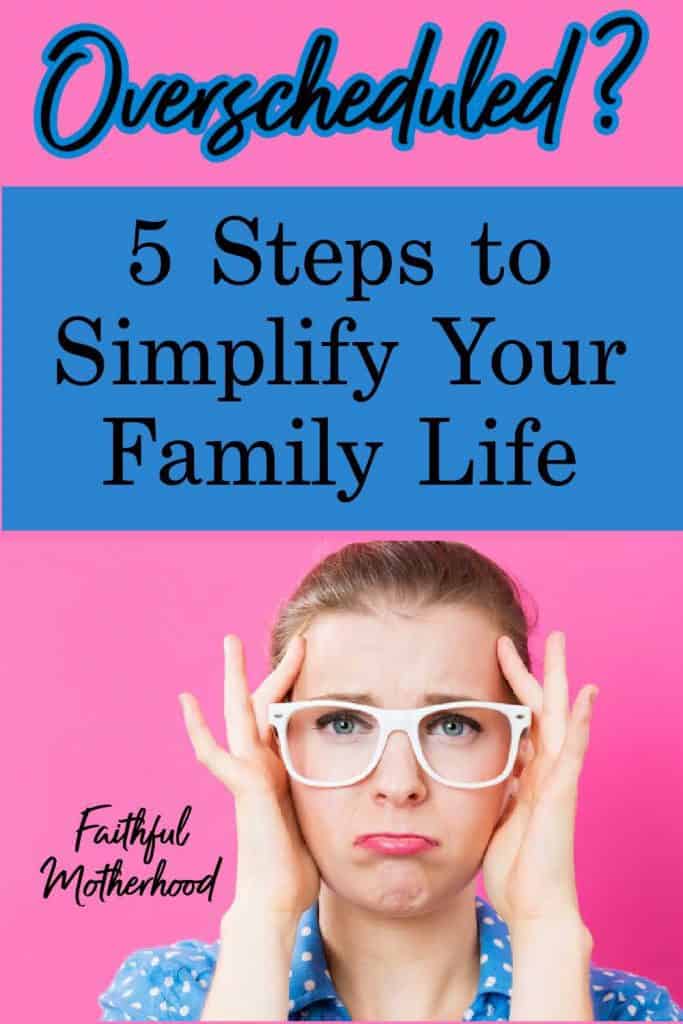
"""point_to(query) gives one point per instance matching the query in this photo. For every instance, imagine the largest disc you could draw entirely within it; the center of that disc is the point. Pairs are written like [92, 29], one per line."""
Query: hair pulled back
[360, 575]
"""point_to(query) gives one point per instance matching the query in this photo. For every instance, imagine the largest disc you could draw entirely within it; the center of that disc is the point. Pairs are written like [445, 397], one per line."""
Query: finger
[277, 683]
[555, 693]
[524, 684]
[206, 750]
[239, 712]
[578, 734]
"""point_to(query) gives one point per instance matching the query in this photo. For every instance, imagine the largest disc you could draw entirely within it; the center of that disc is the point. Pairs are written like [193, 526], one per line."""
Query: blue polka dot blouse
[171, 982]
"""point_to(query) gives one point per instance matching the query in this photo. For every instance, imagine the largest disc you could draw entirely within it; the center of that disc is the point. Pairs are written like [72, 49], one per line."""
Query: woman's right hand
[275, 870]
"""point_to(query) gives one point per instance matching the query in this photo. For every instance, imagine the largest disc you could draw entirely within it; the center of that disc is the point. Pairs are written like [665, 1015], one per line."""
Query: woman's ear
[274, 742]
[509, 793]
[525, 754]
[506, 797]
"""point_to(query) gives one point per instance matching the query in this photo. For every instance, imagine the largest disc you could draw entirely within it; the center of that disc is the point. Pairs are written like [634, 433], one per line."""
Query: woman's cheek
[320, 812]
[473, 816]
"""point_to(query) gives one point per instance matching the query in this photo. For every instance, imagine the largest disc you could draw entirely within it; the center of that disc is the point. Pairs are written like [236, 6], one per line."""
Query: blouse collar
[310, 980]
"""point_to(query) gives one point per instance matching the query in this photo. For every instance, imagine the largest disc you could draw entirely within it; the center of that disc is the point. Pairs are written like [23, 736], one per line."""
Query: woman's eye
[455, 725]
[342, 725]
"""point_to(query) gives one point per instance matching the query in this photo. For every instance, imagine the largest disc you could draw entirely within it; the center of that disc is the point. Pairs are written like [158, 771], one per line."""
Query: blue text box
[423, 452]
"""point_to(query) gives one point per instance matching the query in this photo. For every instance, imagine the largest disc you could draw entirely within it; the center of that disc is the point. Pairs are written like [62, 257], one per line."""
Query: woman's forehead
[396, 653]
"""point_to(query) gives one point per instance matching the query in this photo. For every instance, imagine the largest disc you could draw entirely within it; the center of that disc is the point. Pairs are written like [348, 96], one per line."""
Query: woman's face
[397, 655]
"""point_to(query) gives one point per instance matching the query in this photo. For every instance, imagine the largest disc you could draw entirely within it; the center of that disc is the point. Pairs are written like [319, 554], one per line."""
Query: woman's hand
[275, 871]
[529, 862]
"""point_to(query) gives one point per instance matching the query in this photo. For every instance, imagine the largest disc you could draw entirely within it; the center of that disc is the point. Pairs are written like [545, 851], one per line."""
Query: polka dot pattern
[170, 983]
[163, 984]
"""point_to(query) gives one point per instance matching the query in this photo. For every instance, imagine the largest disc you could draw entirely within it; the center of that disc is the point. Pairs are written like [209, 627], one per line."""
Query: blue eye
[453, 724]
[342, 722]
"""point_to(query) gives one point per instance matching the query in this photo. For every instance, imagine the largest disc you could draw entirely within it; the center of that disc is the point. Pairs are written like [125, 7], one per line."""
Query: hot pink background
[102, 630]
[210, 37]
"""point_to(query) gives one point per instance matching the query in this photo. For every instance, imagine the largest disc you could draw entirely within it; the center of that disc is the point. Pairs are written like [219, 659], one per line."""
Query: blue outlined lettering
[226, 110]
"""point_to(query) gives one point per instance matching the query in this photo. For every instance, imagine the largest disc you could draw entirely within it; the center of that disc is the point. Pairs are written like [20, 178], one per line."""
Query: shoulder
[620, 995]
[161, 983]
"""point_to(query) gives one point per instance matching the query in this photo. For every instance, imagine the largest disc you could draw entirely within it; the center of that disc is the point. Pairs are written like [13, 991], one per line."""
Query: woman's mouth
[395, 843]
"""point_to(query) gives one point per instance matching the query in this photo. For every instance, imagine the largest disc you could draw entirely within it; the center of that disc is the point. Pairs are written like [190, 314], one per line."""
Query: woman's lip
[396, 843]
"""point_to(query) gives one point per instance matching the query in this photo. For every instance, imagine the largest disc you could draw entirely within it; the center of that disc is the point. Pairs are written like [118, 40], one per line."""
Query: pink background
[209, 37]
[102, 630]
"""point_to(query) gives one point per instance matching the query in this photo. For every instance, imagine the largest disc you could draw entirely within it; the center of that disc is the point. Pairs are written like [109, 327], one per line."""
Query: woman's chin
[399, 887]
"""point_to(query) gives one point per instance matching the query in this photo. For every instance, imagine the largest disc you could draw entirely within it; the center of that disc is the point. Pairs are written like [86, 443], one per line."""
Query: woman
[399, 746]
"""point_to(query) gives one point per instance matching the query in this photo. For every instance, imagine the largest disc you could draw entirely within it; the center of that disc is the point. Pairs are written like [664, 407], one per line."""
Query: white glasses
[469, 744]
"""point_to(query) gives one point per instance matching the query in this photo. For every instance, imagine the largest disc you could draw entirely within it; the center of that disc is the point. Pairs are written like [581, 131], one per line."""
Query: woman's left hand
[529, 862]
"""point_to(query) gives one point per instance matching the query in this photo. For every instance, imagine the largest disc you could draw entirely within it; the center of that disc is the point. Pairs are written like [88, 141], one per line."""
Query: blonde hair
[423, 571]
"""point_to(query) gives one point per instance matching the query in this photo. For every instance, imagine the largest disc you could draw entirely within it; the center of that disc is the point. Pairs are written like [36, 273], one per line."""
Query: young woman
[399, 746]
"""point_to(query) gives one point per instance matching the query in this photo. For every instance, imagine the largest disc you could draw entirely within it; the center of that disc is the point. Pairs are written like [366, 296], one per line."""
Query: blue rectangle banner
[333, 358]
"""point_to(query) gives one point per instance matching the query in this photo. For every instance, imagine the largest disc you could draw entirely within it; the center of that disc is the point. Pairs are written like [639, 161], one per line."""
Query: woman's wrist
[568, 929]
[551, 969]
[255, 916]
[250, 981]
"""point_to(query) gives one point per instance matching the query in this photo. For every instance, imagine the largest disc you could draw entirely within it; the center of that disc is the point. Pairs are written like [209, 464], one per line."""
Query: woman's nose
[398, 776]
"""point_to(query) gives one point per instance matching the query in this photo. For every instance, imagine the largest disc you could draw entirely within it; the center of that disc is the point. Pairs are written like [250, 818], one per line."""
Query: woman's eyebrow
[367, 698]
[446, 698]
[356, 698]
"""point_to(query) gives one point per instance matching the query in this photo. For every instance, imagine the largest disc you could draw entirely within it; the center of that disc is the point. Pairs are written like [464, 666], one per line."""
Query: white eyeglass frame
[400, 720]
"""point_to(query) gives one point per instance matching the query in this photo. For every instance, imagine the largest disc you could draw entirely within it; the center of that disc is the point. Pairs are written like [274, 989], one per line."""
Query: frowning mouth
[396, 842]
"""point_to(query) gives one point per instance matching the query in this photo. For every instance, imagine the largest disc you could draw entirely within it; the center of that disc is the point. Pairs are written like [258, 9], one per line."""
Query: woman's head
[365, 575]
[391, 622]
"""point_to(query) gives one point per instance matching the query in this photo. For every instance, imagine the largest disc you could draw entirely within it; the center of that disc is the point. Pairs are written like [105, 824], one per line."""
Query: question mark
[610, 82]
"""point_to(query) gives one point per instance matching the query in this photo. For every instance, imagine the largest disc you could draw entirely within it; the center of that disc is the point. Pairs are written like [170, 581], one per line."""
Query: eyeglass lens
[333, 744]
